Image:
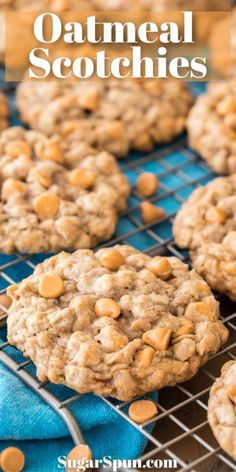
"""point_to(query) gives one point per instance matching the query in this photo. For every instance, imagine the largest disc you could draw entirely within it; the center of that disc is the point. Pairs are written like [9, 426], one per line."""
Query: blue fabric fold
[26, 421]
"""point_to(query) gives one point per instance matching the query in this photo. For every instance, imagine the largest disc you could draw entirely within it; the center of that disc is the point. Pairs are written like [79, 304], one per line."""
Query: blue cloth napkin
[28, 422]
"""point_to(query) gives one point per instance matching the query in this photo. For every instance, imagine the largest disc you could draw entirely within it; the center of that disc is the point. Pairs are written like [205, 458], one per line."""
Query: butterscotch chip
[111, 259]
[216, 215]
[5, 301]
[4, 110]
[82, 178]
[231, 392]
[160, 267]
[50, 286]
[147, 184]
[42, 177]
[81, 453]
[143, 142]
[150, 212]
[46, 205]
[112, 339]
[59, 5]
[17, 148]
[69, 127]
[142, 411]
[228, 268]
[212, 249]
[230, 241]
[221, 408]
[227, 105]
[11, 289]
[159, 338]
[107, 307]
[187, 328]
[114, 116]
[12, 459]
[211, 126]
[230, 120]
[52, 151]
[113, 332]
[203, 289]
[144, 358]
[11, 187]
[197, 309]
[115, 130]
[90, 100]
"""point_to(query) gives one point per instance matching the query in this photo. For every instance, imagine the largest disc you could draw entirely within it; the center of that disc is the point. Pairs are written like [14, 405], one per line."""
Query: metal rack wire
[181, 429]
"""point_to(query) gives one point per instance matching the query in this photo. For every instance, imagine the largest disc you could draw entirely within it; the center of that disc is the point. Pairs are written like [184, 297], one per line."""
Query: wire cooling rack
[181, 430]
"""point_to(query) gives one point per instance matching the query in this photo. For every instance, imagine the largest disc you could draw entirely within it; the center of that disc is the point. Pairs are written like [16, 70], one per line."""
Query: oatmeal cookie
[222, 408]
[211, 126]
[206, 224]
[113, 115]
[115, 322]
[46, 206]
